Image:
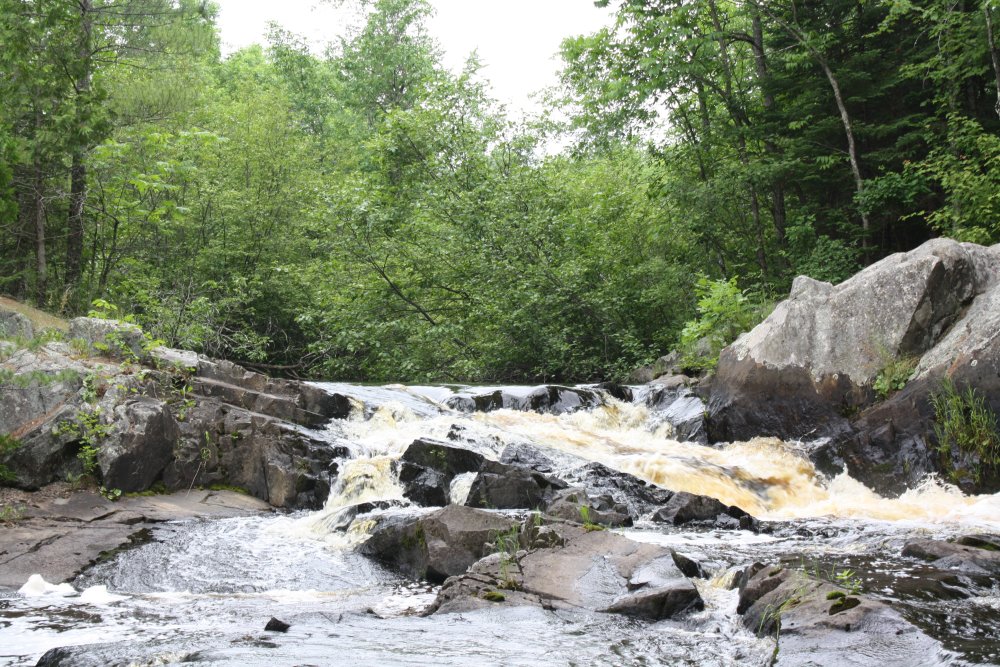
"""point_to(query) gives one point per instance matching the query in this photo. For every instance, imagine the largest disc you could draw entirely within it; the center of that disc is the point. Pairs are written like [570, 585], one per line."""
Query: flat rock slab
[59, 537]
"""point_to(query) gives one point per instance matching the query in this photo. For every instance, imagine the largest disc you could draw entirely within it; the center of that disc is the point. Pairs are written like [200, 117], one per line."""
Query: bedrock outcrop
[160, 417]
[808, 371]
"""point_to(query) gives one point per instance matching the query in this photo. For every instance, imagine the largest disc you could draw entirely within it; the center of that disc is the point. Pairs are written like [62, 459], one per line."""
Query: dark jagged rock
[539, 459]
[135, 455]
[637, 495]
[550, 399]
[689, 566]
[680, 407]
[500, 486]
[438, 545]
[427, 468]
[817, 623]
[275, 625]
[617, 391]
[683, 508]
[578, 506]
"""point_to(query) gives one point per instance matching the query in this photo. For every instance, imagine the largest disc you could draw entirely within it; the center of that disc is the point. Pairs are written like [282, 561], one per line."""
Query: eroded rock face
[808, 364]
[181, 419]
[806, 372]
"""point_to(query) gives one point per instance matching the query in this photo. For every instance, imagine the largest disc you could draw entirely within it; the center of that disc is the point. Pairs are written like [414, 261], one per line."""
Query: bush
[724, 312]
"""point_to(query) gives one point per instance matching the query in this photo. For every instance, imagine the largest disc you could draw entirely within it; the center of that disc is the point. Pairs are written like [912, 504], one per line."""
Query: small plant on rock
[893, 376]
[588, 525]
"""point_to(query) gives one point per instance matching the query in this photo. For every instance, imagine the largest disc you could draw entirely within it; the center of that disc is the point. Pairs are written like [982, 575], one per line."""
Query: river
[201, 591]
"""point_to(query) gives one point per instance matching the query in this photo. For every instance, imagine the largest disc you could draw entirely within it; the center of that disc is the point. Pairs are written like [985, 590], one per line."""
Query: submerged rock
[816, 623]
[972, 555]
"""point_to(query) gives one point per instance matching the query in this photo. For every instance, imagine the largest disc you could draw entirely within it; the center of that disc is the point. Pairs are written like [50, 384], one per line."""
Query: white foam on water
[36, 586]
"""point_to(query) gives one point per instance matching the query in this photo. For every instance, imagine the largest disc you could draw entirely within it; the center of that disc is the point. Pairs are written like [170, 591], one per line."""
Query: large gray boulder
[807, 371]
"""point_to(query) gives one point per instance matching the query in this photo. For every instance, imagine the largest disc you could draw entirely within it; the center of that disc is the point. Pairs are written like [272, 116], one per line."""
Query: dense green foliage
[367, 214]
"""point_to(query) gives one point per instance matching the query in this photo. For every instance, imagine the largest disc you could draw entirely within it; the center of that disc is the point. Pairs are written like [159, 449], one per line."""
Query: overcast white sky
[517, 40]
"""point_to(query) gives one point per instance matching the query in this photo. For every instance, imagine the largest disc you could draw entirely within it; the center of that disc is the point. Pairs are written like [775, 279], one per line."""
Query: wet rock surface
[582, 569]
[817, 623]
[438, 545]
[60, 533]
[973, 555]
[683, 508]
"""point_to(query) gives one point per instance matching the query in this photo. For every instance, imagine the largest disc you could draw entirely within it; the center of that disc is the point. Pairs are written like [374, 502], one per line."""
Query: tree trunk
[41, 266]
[738, 121]
[78, 169]
[852, 150]
[994, 55]
[778, 210]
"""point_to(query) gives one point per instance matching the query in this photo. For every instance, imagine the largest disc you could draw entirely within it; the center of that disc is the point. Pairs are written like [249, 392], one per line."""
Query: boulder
[807, 371]
[15, 325]
[578, 506]
[816, 623]
[427, 468]
[119, 340]
[595, 570]
[438, 545]
[683, 508]
[141, 446]
[895, 446]
[501, 486]
[637, 496]
[809, 365]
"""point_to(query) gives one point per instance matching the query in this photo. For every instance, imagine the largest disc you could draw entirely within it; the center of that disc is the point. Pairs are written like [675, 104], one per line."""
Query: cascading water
[201, 591]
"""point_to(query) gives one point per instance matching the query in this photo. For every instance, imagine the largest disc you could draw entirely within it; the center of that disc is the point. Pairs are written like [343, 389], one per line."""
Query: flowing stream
[201, 591]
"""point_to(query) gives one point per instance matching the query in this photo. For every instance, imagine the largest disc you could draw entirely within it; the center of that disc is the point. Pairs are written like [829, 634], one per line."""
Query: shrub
[724, 312]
